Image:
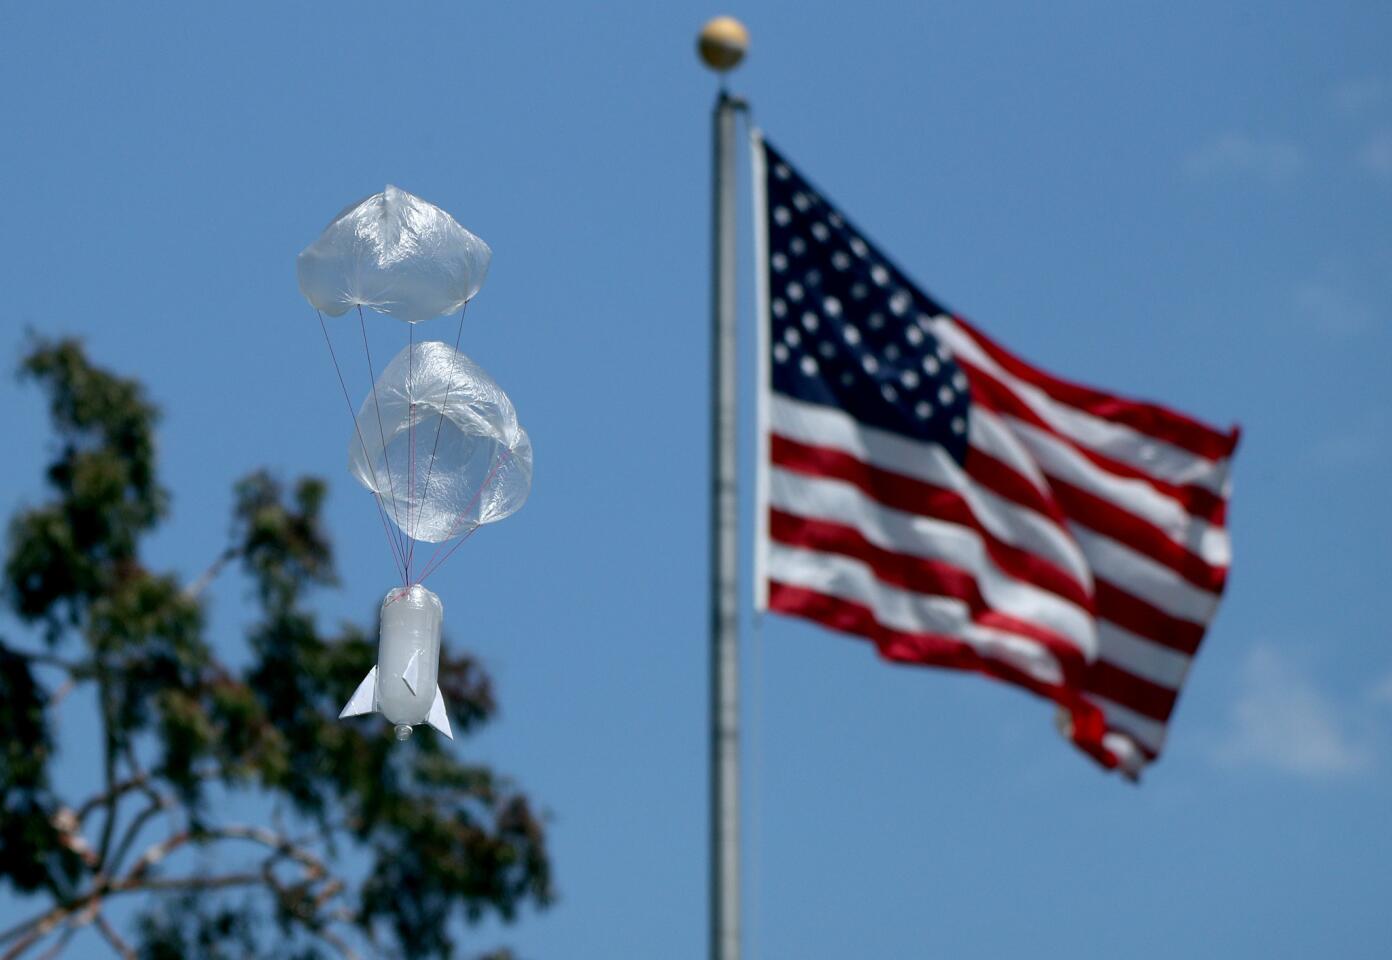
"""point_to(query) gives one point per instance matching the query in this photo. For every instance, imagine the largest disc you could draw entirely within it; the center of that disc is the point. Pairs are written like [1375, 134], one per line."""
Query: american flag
[924, 488]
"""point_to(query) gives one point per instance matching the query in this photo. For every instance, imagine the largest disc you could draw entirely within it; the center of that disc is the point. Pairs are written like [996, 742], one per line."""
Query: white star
[930, 365]
[780, 353]
[779, 261]
[782, 172]
[957, 425]
[832, 306]
[889, 393]
[781, 216]
[826, 349]
[792, 336]
[924, 409]
[809, 365]
[820, 231]
[795, 292]
[840, 260]
[913, 335]
[801, 202]
[779, 307]
[945, 395]
[879, 274]
[810, 321]
[858, 247]
[959, 381]
[798, 246]
[869, 363]
[851, 334]
[909, 379]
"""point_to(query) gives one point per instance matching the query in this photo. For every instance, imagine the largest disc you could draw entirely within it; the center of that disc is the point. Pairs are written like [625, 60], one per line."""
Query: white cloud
[1382, 691]
[1355, 98]
[1237, 154]
[1361, 446]
[1332, 309]
[1281, 720]
[1376, 155]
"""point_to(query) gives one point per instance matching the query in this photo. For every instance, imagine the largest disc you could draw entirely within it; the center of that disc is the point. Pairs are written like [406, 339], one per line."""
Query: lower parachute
[438, 442]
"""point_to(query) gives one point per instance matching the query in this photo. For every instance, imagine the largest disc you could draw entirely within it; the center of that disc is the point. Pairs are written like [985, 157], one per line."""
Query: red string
[431, 565]
[430, 469]
[392, 544]
[396, 509]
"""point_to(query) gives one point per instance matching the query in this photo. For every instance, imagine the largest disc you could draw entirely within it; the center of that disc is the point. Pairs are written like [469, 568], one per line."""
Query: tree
[366, 841]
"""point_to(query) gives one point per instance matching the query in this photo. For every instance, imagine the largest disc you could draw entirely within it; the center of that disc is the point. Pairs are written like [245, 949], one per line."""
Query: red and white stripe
[1080, 552]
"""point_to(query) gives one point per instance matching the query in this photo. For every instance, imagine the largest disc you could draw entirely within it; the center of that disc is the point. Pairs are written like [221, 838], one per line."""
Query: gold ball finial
[722, 43]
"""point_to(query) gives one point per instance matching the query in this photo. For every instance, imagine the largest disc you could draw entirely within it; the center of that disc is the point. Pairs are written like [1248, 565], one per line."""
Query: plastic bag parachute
[435, 441]
[396, 254]
[473, 467]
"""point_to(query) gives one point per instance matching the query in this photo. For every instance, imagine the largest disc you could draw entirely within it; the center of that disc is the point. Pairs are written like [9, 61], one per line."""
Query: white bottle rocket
[403, 686]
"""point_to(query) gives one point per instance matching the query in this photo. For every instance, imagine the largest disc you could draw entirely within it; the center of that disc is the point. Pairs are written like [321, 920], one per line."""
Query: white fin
[438, 718]
[364, 699]
[412, 672]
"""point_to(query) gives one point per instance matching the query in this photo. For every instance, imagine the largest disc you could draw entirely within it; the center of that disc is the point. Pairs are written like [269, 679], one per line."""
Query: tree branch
[47, 659]
[69, 829]
[139, 781]
[34, 930]
[338, 943]
[116, 789]
[113, 938]
[196, 588]
[59, 695]
[39, 927]
[132, 833]
[109, 768]
[62, 942]
[31, 931]
[199, 883]
[76, 671]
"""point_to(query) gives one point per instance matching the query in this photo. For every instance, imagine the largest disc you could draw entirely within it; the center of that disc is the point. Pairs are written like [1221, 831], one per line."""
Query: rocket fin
[438, 718]
[412, 672]
[364, 699]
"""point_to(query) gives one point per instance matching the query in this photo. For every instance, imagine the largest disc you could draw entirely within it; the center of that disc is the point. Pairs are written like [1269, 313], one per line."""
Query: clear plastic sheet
[396, 254]
[438, 441]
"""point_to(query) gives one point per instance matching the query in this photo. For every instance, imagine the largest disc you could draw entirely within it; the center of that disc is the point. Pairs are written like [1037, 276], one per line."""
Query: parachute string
[430, 468]
[431, 570]
[391, 485]
[432, 565]
[392, 544]
[410, 440]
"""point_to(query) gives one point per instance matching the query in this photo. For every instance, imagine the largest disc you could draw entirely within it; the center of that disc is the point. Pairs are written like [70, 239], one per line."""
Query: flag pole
[721, 45]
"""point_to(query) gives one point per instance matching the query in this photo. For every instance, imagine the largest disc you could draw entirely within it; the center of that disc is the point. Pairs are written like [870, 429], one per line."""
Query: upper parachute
[397, 254]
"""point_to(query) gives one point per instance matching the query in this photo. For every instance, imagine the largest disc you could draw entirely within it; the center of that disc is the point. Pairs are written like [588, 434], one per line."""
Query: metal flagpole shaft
[724, 609]
[724, 664]
[722, 45]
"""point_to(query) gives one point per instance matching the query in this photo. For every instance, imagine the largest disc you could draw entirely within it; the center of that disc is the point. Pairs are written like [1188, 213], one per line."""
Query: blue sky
[1186, 201]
